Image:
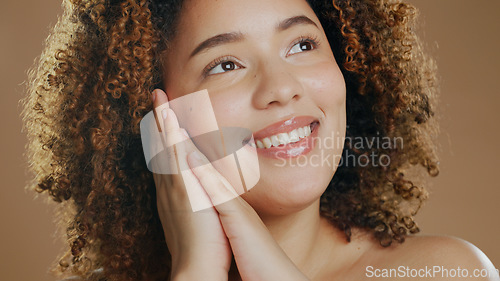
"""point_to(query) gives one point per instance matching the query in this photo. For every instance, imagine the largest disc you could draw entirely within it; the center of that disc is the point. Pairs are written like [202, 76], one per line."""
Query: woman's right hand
[196, 240]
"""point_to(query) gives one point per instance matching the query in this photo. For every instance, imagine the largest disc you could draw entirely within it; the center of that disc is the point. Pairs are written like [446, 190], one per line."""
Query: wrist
[198, 265]
[198, 271]
[196, 274]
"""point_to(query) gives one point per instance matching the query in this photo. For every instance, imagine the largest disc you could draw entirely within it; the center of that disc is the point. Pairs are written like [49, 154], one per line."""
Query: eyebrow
[233, 37]
[217, 40]
[287, 23]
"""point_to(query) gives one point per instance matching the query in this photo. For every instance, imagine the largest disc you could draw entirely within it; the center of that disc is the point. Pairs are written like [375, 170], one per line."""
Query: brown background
[462, 36]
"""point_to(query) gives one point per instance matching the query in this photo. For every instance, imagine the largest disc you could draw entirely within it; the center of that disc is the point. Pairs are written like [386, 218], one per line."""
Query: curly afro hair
[91, 87]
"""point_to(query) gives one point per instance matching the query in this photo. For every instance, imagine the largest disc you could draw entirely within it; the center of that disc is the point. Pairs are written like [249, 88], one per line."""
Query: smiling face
[265, 63]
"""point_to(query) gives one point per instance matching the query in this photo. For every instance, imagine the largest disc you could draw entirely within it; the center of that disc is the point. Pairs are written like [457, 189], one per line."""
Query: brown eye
[306, 46]
[303, 46]
[221, 66]
[228, 65]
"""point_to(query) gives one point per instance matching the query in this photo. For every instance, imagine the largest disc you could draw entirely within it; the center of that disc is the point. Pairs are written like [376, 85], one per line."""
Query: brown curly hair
[91, 87]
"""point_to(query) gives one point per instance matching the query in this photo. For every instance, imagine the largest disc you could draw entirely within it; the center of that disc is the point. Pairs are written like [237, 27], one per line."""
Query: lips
[284, 126]
[293, 149]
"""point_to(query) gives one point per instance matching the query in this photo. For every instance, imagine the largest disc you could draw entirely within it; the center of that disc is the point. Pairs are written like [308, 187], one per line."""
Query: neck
[306, 238]
[296, 233]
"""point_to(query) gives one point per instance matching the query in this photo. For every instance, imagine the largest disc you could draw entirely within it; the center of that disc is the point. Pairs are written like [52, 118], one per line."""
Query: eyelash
[302, 39]
[215, 63]
[313, 39]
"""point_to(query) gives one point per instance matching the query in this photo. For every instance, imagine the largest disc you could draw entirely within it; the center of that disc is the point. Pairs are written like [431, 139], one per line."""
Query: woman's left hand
[257, 255]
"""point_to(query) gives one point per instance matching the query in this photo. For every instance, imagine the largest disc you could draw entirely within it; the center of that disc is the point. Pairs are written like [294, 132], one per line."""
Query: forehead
[204, 18]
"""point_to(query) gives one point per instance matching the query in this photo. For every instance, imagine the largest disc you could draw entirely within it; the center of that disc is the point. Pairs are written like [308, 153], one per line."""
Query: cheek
[327, 89]
[326, 86]
[229, 106]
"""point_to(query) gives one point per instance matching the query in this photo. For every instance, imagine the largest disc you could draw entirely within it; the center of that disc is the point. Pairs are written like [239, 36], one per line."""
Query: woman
[352, 68]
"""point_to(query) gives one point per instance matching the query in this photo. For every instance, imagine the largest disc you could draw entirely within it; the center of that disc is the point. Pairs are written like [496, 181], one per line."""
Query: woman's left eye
[303, 45]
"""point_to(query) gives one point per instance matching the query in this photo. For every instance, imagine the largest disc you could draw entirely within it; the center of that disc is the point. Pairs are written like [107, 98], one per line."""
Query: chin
[282, 196]
[285, 189]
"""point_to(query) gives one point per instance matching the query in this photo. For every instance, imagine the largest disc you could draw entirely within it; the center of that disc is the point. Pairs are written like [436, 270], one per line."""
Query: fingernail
[164, 113]
[154, 96]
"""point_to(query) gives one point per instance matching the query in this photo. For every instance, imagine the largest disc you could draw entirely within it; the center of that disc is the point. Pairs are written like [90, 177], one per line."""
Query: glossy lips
[288, 138]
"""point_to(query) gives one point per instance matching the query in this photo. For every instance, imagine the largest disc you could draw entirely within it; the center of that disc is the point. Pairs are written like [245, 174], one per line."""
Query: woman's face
[270, 63]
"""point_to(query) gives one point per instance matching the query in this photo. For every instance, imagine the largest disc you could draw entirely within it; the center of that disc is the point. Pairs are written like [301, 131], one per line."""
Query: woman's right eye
[220, 66]
[223, 67]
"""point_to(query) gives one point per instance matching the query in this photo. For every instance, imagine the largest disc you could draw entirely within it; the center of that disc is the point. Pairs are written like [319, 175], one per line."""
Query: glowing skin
[269, 74]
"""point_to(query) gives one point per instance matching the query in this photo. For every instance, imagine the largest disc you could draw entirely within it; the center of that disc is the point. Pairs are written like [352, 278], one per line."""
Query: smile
[282, 139]
[296, 141]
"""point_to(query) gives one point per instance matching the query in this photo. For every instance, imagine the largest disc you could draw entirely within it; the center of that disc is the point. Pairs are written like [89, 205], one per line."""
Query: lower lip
[291, 150]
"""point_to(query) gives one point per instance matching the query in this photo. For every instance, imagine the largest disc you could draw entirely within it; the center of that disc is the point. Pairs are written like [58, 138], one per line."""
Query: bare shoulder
[444, 249]
[437, 256]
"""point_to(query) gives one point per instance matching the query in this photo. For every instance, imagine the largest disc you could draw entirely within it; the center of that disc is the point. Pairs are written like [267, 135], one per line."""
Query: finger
[175, 193]
[215, 185]
[174, 134]
[160, 101]
[167, 119]
[170, 179]
[237, 216]
[179, 145]
[168, 125]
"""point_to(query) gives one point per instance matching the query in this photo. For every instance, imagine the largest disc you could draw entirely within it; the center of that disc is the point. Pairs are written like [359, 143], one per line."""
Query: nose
[277, 85]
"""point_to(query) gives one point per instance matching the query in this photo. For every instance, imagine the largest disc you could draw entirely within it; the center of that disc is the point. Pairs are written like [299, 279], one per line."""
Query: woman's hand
[255, 251]
[257, 255]
[196, 240]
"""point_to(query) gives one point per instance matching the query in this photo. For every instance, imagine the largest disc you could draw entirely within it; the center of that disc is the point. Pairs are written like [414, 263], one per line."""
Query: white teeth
[285, 138]
[294, 136]
[301, 132]
[275, 141]
[267, 142]
[260, 144]
[307, 131]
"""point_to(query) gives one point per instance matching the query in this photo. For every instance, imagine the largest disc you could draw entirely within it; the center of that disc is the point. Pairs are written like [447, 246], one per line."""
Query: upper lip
[284, 126]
